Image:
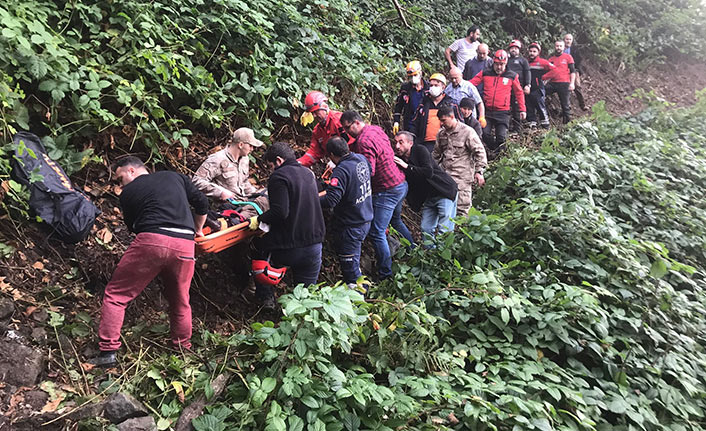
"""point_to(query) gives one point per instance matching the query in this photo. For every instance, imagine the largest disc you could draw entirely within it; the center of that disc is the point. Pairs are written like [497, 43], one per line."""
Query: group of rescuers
[437, 156]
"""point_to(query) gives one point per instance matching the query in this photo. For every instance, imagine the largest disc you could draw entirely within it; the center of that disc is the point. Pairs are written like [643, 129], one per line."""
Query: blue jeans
[303, 262]
[348, 241]
[387, 209]
[437, 213]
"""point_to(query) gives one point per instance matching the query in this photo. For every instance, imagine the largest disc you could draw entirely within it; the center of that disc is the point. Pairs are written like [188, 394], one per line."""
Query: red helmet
[516, 43]
[500, 56]
[535, 45]
[266, 274]
[314, 101]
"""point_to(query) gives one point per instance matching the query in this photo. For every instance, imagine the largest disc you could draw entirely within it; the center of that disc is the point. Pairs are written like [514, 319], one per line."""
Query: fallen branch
[195, 409]
[400, 13]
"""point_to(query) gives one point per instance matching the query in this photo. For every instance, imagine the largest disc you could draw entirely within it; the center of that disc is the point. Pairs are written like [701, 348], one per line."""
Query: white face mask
[435, 91]
[416, 79]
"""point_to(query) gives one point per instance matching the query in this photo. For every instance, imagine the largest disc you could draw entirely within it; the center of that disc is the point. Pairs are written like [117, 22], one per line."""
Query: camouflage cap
[246, 135]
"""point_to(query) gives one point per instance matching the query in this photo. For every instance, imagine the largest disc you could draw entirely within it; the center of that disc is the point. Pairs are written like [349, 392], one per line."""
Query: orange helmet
[535, 45]
[414, 68]
[516, 43]
[264, 273]
[500, 56]
[314, 101]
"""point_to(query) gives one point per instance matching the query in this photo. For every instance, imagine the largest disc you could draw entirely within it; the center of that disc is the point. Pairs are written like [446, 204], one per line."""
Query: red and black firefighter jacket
[497, 90]
[538, 67]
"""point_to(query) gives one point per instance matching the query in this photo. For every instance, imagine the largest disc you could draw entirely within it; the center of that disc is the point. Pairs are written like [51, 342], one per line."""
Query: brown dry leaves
[104, 235]
[5, 287]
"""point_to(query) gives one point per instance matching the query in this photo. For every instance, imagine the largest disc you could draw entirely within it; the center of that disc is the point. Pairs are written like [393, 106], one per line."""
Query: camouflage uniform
[221, 172]
[461, 154]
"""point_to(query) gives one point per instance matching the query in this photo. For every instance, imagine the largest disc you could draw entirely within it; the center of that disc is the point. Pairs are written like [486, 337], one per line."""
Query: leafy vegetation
[574, 302]
[166, 68]
[161, 71]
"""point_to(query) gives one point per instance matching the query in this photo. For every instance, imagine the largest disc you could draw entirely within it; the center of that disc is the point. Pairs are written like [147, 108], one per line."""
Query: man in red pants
[156, 208]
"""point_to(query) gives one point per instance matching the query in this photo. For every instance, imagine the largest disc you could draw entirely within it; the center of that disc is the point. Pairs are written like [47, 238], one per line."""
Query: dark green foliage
[166, 69]
[575, 301]
[165, 66]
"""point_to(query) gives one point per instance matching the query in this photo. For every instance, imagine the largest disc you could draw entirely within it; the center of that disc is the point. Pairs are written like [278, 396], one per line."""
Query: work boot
[247, 294]
[545, 124]
[105, 359]
[269, 304]
[532, 124]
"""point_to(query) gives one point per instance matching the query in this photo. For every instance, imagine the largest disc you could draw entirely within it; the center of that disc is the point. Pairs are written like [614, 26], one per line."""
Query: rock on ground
[7, 307]
[20, 365]
[144, 423]
[120, 407]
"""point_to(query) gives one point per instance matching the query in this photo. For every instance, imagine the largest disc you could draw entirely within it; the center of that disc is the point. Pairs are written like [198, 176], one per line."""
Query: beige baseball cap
[246, 135]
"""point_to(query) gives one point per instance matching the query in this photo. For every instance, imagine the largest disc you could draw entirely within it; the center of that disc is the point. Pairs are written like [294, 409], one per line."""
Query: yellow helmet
[438, 77]
[414, 68]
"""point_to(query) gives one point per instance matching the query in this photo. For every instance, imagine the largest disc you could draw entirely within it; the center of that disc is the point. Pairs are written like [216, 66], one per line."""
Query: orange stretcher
[228, 237]
[221, 240]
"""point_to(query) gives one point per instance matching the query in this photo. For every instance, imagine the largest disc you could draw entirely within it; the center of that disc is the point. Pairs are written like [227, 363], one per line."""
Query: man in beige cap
[224, 174]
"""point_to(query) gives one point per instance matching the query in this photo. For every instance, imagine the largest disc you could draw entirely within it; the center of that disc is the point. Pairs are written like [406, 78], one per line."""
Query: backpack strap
[252, 204]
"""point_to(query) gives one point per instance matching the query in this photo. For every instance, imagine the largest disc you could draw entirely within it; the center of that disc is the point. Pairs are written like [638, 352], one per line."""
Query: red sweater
[564, 67]
[497, 89]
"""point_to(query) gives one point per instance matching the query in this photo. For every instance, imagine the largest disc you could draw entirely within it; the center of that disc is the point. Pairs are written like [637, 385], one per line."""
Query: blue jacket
[350, 192]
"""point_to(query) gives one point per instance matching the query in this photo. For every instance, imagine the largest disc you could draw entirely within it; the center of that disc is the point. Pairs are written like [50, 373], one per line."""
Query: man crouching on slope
[156, 208]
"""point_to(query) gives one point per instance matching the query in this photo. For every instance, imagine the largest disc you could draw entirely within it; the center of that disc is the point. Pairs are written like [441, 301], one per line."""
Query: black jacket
[419, 123]
[576, 54]
[350, 192]
[521, 67]
[161, 200]
[295, 216]
[426, 179]
[403, 109]
[475, 124]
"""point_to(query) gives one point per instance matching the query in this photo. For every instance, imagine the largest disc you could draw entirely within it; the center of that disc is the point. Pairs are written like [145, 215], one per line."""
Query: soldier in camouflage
[224, 174]
[460, 152]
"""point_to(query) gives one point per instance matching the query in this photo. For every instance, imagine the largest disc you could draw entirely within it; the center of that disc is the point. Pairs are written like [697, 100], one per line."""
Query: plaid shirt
[374, 144]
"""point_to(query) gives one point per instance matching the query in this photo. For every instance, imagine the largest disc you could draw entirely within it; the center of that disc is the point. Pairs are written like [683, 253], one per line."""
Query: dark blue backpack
[67, 212]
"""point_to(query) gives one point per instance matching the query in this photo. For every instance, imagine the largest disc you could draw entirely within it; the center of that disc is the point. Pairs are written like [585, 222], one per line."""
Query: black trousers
[498, 121]
[430, 145]
[562, 89]
[303, 262]
[516, 121]
[536, 107]
[577, 91]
